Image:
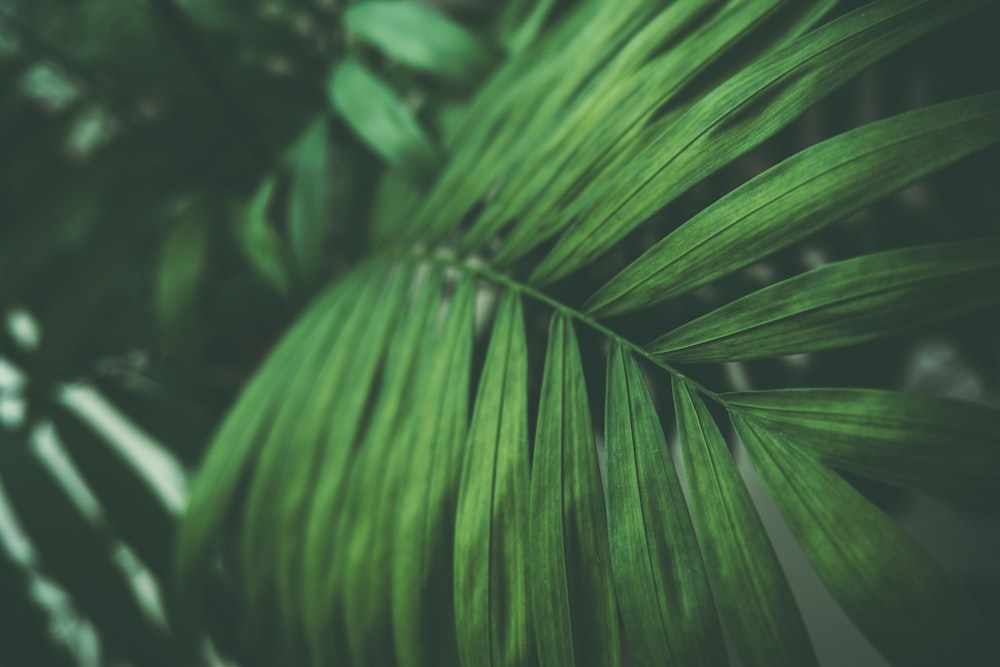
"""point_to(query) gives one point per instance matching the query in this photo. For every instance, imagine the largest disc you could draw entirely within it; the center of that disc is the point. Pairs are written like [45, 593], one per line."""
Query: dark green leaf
[801, 195]
[309, 213]
[751, 590]
[933, 445]
[896, 595]
[491, 554]
[663, 591]
[572, 595]
[183, 257]
[844, 303]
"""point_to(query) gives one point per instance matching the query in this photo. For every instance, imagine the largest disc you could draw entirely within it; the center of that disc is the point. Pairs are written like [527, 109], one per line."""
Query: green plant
[456, 454]
[376, 522]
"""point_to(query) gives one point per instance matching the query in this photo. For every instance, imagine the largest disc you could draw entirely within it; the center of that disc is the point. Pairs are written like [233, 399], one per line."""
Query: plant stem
[489, 274]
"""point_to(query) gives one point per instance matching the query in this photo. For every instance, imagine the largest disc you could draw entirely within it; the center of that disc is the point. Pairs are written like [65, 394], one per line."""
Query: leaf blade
[491, 592]
[896, 595]
[750, 587]
[663, 591]
[803, 194]
[843, 303]
[572, 594]
[928, 444]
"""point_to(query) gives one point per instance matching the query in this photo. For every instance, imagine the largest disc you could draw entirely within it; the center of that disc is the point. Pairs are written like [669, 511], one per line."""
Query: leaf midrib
[487, 273]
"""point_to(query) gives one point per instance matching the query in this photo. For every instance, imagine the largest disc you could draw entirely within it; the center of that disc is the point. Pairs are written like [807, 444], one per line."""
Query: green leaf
[750, 588]
[932, 445]
[260, 242]
[572, 595]
[801, 195]
[843, 303]
[182, 261]
[737, 116]
[421, 38]
[423, 598]
[309, 213]
[623, 101]
[663, 592]
[491, 555]
[343, 579]
[382, 120]
[894, 593]
[241, 435]
[303, 464]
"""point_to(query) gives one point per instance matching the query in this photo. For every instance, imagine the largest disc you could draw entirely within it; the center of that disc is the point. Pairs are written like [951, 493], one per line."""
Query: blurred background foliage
[179, 177]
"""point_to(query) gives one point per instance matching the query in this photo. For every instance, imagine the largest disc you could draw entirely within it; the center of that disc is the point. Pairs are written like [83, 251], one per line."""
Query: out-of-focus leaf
[801, 195]
[309, 213]
[260, 242]
[491, 554]
[421, 38]
[182, 261]
[352, 559]
[933, 445]
[423, 593]
[383, 121]
[890, 588]
[737, 116]
[750, 588]
[572, 594]
[844, 303]
[663, 592]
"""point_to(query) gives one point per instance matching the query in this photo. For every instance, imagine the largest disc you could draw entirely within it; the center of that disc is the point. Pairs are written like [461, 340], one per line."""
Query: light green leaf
[299, 479]
[572, 594]
[241, 435]
[423, 598]
[737, 116]
[894, 593]
[663, 593]
[421, 38]
[344, 582]
[182, 261]
[382, 120]
[491, 555]
[309, 214]
[801, 195]
[844, 303]
[933, 445]
[750, 588]
[260, 242]
[622, 103]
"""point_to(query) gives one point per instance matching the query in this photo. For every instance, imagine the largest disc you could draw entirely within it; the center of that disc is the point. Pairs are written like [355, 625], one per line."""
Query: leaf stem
[489, 274]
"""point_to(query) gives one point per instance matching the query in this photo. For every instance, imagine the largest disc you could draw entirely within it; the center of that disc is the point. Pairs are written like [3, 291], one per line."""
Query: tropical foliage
[456, 454]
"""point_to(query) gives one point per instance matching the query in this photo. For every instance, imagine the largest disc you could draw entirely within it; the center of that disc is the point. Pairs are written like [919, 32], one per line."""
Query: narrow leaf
[843, 303]
[182, 261]
[933, 445]
[894, 593]
[382, 120]
[309, 212]
[737, 116]
[419, 37]
[491, 556]
[663, 592]
[260, 242]
[803, 194]
[749, 585]
[572, 595]
[423, 597]
[344, 578]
